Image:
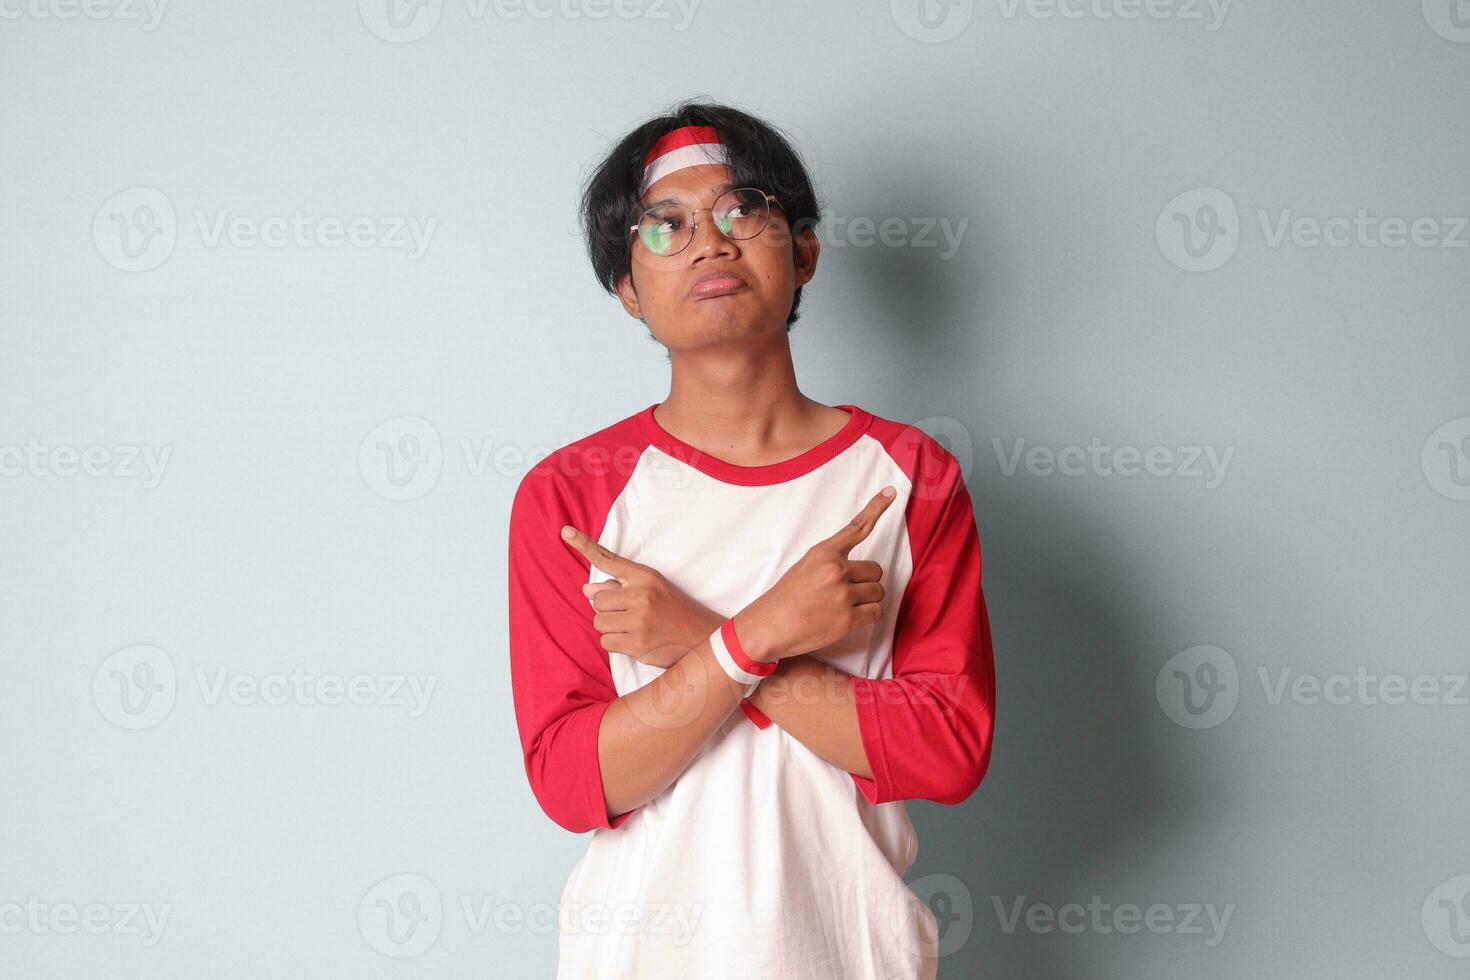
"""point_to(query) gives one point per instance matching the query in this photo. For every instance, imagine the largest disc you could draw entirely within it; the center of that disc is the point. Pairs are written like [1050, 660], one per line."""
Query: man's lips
[716, 284]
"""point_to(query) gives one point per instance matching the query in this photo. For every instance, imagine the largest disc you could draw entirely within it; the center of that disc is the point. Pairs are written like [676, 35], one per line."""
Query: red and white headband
[689, 146]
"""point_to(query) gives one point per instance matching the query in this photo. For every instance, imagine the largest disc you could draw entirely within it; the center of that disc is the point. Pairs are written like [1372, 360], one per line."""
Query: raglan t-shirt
[761, 859]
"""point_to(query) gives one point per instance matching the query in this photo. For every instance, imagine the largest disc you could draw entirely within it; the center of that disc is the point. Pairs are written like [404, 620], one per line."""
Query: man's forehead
[674, 191]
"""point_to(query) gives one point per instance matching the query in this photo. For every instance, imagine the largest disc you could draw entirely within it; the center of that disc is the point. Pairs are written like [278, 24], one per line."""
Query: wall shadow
[1078, 779]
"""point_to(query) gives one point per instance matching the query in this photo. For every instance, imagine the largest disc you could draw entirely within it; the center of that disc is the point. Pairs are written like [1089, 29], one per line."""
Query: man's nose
[707, 235]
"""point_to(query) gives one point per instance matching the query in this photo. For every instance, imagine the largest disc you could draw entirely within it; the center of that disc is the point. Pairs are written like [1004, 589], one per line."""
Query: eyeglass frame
[694, 225]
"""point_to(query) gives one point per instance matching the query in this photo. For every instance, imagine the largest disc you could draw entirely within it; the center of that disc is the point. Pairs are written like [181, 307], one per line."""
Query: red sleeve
[560, 678]
[927, 730]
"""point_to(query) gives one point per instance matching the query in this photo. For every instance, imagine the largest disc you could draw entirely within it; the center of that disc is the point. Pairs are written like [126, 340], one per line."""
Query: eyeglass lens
[739, 214]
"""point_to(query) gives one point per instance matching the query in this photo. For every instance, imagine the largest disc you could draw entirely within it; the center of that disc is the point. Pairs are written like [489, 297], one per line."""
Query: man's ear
[628, 296]
[808, 248]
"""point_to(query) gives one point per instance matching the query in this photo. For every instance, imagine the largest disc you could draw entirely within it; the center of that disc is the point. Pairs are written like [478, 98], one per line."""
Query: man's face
[665, 291]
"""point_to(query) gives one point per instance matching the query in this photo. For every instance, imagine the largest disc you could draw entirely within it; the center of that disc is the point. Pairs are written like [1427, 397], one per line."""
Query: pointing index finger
[855, 531]
[600, 557]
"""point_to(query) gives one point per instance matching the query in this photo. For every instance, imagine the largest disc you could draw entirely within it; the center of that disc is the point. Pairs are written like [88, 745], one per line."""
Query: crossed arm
[593, 756]
[648, 737]
[812, 701]
[642, 748]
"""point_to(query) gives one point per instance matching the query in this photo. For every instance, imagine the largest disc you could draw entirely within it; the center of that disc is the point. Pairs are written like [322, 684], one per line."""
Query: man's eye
[663, 224]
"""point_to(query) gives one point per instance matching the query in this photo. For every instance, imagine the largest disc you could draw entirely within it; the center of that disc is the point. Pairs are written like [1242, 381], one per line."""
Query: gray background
[273, 376]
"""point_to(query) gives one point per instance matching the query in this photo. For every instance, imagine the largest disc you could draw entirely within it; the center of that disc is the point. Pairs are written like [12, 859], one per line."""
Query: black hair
[760, 156]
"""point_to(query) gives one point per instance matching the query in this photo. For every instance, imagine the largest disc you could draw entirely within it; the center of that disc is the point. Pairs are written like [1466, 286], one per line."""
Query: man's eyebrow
[719, 189]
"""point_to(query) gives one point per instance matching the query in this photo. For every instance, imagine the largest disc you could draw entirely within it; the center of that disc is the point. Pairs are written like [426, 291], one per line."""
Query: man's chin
[727, 329]
[713, 322]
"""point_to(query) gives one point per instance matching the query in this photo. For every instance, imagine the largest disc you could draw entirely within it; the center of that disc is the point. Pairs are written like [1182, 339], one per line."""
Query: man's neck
[744, 406]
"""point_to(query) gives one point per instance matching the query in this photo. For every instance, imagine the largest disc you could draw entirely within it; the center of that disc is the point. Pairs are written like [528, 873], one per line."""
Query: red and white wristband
[743, 670]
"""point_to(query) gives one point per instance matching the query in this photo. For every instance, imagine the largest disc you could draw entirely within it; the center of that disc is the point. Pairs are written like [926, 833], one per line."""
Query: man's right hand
[821, 598]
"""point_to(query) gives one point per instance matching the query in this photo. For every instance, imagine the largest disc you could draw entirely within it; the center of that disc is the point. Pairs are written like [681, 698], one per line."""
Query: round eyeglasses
[740, 213]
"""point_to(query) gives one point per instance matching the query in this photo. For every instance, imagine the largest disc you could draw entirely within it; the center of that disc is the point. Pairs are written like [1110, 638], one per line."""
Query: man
[744, 626]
